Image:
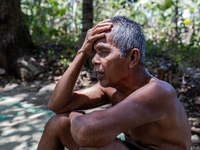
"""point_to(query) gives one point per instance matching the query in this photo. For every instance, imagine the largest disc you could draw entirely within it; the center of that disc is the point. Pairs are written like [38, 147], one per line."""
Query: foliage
[64, 61]
[51, 21]
[171, 26]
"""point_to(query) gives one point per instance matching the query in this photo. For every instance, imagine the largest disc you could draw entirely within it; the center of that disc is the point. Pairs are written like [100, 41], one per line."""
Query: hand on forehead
[108, 39]
[108, 33]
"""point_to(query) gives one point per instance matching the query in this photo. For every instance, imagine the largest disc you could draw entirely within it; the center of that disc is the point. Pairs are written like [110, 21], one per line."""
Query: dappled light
[24, 112]
[21, 123]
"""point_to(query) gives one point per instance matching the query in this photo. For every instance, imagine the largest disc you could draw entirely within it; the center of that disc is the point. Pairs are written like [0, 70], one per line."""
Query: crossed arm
[102, 127]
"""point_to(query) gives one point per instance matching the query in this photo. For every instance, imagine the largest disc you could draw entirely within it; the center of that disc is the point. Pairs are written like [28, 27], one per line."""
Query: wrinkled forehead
[108, 39]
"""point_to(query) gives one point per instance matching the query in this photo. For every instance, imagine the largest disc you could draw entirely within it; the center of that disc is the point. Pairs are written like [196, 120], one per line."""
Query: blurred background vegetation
[170, 25]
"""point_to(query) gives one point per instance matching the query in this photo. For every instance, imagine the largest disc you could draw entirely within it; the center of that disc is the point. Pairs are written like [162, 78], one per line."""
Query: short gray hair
[128, 36]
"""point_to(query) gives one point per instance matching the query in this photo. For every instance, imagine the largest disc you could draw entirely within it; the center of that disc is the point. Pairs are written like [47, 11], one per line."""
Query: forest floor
[24, 112]
[23, 105]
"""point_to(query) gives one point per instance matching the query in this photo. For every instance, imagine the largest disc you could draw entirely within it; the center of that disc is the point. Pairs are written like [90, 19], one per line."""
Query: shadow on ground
[23, 115]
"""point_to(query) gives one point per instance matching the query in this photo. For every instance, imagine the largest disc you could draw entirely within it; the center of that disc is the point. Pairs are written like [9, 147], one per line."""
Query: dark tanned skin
[144, 108]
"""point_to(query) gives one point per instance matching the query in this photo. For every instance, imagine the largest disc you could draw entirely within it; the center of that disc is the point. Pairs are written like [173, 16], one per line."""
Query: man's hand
[94, 34]
[74, 114]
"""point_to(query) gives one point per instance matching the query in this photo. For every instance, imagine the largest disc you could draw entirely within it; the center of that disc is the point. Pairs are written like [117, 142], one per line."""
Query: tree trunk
[87, 15]
[15, 42]
[87, 22]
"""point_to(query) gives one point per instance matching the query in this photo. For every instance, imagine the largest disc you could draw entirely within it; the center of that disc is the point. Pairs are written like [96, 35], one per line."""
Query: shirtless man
[144, 108]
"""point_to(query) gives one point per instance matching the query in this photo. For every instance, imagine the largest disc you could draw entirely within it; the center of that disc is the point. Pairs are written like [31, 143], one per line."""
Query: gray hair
[128, 36]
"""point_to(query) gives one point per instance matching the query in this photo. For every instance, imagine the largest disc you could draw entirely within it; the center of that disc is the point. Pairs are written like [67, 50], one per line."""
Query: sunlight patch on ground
[21, 124]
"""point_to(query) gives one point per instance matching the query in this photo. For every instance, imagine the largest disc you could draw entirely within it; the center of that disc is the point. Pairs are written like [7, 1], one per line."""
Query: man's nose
[96, 60]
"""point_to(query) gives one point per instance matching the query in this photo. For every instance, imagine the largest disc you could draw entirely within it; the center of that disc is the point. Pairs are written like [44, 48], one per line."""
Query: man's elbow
[51, 105]
[53, 108]
[82, 138]
[87, 137]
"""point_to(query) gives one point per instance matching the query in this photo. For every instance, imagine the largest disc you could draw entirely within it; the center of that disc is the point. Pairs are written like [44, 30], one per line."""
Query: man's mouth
[100, 75]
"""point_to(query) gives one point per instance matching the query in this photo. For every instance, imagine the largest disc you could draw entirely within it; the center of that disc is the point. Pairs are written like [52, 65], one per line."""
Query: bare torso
[167, 133]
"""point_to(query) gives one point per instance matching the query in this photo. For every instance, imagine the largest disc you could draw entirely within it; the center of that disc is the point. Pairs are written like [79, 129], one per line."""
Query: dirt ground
[24, 113]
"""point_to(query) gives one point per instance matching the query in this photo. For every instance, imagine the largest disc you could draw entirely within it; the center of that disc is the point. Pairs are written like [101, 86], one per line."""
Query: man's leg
[57, 134]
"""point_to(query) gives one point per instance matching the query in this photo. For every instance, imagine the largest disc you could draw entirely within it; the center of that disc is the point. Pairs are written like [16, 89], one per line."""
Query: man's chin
[103, 84]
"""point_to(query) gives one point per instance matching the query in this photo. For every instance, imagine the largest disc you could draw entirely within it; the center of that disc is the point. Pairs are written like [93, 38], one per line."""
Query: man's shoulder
[158, 91]
[164, 92]
[154, 84]
[161, 86]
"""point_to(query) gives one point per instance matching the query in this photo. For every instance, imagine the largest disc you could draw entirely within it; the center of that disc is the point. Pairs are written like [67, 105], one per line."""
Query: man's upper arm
[148, 104]
[87, 98]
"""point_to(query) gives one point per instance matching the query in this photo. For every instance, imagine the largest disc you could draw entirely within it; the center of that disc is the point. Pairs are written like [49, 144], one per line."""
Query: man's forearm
[63, 92]
[92, 129]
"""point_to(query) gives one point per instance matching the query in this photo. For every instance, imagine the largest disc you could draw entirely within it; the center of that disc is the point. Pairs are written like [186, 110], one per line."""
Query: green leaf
[186, 22]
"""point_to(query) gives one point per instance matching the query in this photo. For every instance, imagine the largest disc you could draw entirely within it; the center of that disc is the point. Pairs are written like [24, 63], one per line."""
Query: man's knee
[58, 122]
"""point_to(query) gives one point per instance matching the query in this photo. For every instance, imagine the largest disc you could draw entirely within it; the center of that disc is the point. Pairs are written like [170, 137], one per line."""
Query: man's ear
[134, 57]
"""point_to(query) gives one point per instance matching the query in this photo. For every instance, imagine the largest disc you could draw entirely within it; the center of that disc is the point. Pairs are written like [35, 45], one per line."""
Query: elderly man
[144, 108]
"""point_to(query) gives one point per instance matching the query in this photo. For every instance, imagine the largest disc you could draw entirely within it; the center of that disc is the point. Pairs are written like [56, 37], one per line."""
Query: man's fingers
[96, 33]
[107, 20]
[101, 29]
[102, 25]
[96, 37]
[72, 115]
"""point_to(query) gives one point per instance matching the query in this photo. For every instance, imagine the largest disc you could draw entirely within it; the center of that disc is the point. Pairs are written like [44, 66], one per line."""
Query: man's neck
[139, 78]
